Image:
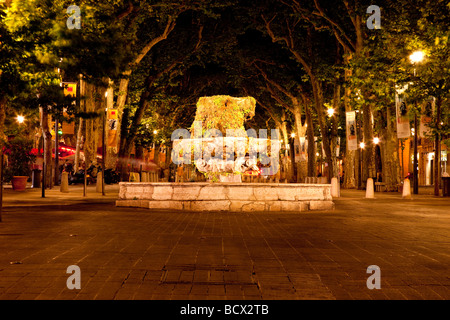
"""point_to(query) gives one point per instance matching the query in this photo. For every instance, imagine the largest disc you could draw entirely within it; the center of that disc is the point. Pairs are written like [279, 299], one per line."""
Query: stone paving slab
[132, 253]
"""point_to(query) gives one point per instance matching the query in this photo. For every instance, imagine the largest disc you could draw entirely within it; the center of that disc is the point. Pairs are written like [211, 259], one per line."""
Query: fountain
[223, 151]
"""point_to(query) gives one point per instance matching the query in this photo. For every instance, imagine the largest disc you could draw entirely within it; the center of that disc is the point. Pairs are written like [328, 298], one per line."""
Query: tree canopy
[306, 64]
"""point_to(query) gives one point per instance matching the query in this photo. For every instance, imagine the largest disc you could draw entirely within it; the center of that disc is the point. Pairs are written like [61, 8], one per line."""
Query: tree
[428, 31]
[345, 21]
[307, 47]
[35, 66]
[168, 12]
[384, 64]
[10, 82]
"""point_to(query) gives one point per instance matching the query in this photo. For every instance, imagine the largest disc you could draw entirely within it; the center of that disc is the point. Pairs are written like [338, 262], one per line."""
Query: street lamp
[376, 140]
[415, 58]
[20, 119]
[330, 112]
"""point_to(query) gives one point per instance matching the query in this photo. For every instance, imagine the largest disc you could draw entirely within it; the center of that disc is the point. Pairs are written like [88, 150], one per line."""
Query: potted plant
[20, 159]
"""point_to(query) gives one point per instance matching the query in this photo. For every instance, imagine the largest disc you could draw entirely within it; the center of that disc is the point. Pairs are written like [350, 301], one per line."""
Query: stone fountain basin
[232, 197]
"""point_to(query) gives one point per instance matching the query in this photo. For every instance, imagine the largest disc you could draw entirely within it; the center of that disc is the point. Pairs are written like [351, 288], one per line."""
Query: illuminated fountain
[222, 150]
[218, 145]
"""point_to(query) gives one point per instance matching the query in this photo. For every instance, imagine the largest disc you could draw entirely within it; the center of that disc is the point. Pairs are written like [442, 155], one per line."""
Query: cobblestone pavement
[127, 253]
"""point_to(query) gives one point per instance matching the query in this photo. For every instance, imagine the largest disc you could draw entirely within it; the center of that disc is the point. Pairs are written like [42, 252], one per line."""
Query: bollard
[335, 188]
[98, 187]
[406, 189]
[64, 182]
[369, 189]
[36, 178]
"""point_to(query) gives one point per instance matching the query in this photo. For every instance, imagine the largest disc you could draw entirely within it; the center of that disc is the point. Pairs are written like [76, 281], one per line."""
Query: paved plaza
[135, 253]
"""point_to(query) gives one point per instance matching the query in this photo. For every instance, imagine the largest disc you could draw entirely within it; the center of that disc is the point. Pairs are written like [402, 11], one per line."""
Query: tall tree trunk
[389, 153]
[352, 161]
[77, 159]
[127, 140]
[123, 155]
[302, 168]
[284, 158]
[95, 103]
[311, 143]
[368, 159]
[45, 127]
[90, 143]
[334, 130]
[123, 87]
[82, 107]
[2, 142]
[350, 155]
[3, 102]
[319, 106]
[111, 150]
[437, 147]
[283, 128]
